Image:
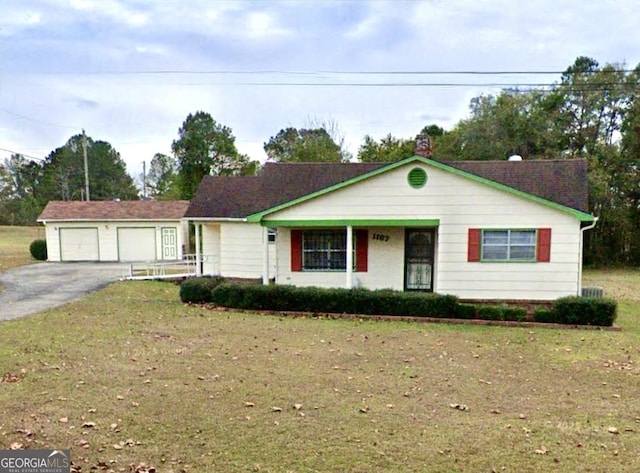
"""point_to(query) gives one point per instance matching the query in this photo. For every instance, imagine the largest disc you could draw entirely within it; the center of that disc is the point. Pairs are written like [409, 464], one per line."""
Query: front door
[169, 243]
[418, 256]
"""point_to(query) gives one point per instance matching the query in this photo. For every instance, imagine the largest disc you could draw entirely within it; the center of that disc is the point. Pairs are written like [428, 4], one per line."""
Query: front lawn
[130, 376]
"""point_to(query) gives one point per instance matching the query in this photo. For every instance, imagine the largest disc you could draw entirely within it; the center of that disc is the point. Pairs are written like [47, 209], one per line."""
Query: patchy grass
[14, 245]
[619, 284]
[130, 375]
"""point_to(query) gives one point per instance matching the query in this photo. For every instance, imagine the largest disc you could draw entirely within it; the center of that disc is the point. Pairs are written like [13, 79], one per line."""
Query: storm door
[418, 257]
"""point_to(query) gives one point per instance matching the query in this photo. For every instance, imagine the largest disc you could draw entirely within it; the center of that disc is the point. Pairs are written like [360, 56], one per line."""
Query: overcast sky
[130, 71]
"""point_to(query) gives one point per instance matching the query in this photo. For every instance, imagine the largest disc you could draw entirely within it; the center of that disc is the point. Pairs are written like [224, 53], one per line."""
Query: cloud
[90, 64]
[110, 11]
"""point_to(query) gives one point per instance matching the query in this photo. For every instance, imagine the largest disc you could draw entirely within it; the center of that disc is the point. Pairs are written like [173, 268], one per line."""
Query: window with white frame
[509, 245]
[324, 250]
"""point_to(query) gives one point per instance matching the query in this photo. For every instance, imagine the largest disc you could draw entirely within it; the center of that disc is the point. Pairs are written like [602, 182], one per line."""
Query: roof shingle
[560, 181]
[114, 210]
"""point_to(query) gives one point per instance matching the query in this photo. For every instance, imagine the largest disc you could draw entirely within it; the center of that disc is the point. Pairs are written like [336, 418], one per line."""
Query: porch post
[265, 256]
[349, 272]
[198, 228]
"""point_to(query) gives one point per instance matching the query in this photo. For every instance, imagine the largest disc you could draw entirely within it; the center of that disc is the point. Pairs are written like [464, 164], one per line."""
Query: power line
[326, 72]
[583, 87]
[22, 154]
[35, 120]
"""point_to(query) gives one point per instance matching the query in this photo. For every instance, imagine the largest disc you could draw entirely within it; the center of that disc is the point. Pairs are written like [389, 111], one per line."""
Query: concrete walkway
[37, 287]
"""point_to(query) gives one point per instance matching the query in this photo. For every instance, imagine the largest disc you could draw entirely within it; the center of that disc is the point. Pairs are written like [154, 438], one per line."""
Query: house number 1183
[378, 236]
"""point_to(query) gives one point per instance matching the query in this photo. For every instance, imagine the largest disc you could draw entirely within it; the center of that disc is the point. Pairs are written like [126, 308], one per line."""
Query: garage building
[124, 231]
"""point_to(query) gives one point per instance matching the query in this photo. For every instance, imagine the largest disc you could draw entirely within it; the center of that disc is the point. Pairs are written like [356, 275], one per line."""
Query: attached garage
[79, 244]
[136, 244]
[126, 231]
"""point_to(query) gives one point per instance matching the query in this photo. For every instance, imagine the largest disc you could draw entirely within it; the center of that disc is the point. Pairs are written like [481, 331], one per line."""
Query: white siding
[459, 204]
[211, 249]
[241, 250]
[53, 242]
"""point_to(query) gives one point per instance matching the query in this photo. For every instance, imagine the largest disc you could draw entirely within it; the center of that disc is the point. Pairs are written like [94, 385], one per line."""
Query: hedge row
[576, 310]
[354, 301]
[198, 290]
[567, 310]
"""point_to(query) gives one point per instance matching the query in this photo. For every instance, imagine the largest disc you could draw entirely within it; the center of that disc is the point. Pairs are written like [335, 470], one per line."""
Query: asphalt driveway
[37, 287]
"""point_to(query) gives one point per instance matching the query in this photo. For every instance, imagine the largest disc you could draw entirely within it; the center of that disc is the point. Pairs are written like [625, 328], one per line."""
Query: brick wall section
[529, 305]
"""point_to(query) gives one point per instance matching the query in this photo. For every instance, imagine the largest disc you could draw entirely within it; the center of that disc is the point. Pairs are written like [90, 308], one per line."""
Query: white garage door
[137, 244]
[79, 244]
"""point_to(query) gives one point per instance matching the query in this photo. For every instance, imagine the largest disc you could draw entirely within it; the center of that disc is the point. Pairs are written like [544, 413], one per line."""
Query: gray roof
[560, 181]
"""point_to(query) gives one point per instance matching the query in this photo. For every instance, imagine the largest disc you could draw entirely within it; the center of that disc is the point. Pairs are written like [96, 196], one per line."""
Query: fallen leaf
[63, 420]
[16, 446]
[613, 430]
[460, 407]
[297, 407]
[276, 409]
[142, 468]
[249, 404]
[11, 378]
[82, 443]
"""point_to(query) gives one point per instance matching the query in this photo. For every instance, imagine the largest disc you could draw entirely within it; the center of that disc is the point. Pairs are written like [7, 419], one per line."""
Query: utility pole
[86, 167]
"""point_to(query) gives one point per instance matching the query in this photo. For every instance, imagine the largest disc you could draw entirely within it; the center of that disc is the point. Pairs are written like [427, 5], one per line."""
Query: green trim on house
[580, 216]
[366, 222]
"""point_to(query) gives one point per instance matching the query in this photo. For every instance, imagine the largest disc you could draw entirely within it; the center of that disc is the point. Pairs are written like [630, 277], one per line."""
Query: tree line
[591, 113]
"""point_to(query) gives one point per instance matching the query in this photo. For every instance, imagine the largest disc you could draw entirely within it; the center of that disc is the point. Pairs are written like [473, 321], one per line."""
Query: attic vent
[417, 178]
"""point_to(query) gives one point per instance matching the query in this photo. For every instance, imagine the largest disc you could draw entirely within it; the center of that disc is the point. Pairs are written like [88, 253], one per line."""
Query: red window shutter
[544, 245]
[362, 250]
[473, 248]
[296, 250]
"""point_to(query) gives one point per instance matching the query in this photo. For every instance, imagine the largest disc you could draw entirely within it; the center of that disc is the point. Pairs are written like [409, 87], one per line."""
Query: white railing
[170, 269]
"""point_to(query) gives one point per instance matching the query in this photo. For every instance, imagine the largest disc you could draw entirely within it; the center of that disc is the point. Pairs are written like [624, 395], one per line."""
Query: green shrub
[518, 314]
[466, 311]
[501, 312]
[198, 290]
[567, 310]
[38, 249]
[490, 312]
[544, 315]
[321, 300]
[585, 310]
[574, 310]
